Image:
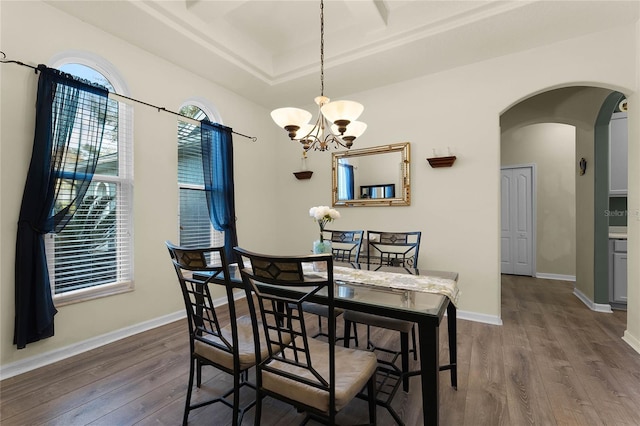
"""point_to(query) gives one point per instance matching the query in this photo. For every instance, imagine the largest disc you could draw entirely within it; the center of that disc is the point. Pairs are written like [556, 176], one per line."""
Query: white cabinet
[618, 147]
[618, 272]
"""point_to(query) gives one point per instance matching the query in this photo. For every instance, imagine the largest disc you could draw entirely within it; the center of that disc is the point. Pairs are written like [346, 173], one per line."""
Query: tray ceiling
[269, 51]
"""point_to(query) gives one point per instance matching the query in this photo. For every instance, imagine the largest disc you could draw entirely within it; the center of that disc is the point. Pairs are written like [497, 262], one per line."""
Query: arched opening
[586, 110]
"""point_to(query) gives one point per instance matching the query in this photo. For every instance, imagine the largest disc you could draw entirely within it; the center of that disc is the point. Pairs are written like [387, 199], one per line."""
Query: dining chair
[315, 376]
[345, 247]
[393, 248]
[390, 249]
[229, 348]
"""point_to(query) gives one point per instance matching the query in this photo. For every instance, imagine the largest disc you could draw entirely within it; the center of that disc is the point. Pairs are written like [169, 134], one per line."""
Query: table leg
[453, 344]
[429, 350]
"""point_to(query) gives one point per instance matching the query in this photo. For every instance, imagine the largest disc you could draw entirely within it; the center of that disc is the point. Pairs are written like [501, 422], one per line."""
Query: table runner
[395, 280]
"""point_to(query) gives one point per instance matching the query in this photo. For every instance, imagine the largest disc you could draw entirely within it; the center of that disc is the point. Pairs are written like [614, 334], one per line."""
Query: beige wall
[455, 208]
[551, 147]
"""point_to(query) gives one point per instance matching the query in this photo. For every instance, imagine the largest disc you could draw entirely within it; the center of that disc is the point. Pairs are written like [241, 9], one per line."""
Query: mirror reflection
[377, 176]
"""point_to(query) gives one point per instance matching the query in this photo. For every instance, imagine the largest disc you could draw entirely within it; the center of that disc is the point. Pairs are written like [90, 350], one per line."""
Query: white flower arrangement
[323, 215]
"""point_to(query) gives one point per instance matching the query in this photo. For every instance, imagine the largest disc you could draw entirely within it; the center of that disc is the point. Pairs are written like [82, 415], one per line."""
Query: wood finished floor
[553, 362]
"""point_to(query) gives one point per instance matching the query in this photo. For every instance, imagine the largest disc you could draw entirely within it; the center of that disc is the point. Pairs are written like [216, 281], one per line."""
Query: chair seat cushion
[318, 309]
[354, 367]
[378, 321]
[246, 348]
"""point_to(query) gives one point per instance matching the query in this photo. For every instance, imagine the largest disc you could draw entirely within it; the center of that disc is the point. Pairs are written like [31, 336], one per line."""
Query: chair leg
[236, 397]
[198, 372]
[404, 348]
[355, 333]
[256, 420]
[185, 417]
[347, 332]
[413, 339]
[371, 392]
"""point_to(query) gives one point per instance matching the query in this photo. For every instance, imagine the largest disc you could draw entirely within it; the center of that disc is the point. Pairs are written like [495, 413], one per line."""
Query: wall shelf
[303, 175]
[441, 161]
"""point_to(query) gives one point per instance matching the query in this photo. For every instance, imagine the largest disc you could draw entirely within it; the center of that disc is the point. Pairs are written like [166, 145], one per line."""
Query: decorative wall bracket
[306, 174]
[442, 161]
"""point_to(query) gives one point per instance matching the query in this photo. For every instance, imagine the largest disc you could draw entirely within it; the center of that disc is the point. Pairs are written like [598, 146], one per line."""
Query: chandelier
[336, 124]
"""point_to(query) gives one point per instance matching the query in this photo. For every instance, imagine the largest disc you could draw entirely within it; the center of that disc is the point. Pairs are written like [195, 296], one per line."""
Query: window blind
[95, 248]
[195, 226]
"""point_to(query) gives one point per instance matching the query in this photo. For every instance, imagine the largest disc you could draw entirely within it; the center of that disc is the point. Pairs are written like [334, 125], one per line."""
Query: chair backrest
[198, 271]
[393, 248]
[345, 245]
[282, 315]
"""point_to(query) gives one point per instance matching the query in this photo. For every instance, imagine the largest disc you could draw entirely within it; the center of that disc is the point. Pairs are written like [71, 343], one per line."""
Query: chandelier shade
[342, 111]
[291, 119]
[336, 124]
[355, 130]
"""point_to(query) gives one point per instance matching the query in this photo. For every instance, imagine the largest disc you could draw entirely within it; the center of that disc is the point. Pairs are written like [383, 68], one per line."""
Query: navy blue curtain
[217, 164]
[70, 117]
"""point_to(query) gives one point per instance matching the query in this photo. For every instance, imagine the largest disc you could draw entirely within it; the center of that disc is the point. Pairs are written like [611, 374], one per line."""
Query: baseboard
[43, 359]
[598, 307]
[631, 341]
[558, 277]
[476, 317]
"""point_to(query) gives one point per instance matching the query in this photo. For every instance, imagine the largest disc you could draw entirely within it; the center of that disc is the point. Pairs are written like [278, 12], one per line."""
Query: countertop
[619, 232]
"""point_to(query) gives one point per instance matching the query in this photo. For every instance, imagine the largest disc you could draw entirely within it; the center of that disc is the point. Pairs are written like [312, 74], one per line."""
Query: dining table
[417, 295]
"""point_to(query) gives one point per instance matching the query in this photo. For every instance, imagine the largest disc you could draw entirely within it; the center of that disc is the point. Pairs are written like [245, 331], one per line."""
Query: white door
[517, 221]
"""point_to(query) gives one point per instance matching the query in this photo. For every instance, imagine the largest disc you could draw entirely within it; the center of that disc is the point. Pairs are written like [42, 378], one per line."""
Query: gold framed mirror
[376, 176]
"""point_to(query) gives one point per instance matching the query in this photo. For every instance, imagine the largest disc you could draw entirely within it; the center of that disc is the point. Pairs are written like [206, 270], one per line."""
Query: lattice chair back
[393, 248]
[196, 275]
[282, 317]
[346, 245]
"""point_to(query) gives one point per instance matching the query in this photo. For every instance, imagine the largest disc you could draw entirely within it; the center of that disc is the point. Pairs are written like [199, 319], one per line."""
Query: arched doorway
[588, 110]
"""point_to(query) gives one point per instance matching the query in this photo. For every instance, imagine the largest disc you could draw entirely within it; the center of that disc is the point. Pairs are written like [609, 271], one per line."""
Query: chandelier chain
[321, 136]
[321, 47]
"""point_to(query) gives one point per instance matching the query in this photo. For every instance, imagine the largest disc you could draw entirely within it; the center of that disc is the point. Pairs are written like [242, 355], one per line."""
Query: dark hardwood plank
[486, 401]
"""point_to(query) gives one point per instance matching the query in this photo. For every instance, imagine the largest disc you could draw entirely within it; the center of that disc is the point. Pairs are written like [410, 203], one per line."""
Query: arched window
[195, 226]
[92, 255]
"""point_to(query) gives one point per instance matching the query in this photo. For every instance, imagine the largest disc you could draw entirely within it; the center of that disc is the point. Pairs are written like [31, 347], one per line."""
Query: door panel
[517, 221]
[506, 265]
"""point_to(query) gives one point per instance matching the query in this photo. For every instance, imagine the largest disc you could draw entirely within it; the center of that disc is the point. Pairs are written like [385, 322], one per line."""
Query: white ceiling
[269, 50]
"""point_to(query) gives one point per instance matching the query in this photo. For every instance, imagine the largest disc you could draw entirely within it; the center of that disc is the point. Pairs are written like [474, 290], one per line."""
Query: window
[195, 226]
[345, 174]
[92, 255]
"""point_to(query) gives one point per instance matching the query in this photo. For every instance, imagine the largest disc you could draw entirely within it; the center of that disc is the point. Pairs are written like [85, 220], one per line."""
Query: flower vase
[321, 247]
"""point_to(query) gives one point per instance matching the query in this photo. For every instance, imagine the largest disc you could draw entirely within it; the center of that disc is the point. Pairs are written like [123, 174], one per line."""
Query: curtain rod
[116, 95]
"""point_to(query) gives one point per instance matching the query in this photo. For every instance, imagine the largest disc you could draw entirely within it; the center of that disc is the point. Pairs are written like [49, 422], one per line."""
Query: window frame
[217, 237]
[124, 180]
